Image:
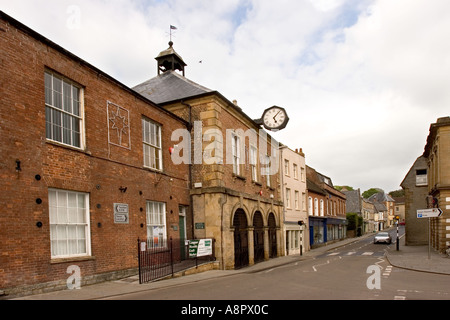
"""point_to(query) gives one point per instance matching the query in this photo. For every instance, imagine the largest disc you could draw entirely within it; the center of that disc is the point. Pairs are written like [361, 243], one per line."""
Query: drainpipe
[286, 250]
[191, 202]
[222, 203]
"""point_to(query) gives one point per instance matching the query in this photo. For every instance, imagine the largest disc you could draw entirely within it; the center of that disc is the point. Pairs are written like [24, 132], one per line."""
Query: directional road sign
[429, 213]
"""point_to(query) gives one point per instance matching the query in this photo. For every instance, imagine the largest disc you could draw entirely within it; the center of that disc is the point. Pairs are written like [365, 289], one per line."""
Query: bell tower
[169, 60]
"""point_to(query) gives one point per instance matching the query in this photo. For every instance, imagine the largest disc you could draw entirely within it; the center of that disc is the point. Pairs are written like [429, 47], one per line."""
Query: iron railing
[159, 259]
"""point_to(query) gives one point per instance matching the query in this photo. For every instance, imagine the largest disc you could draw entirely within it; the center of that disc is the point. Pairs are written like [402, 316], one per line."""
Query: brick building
[234, 201]
[326, 209]
[85, 167]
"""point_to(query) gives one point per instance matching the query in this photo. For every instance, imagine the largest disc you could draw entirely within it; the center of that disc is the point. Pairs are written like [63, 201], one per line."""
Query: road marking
[322, 264]
[368, 253]
[350, 253]
[333, 253]
[399, 298]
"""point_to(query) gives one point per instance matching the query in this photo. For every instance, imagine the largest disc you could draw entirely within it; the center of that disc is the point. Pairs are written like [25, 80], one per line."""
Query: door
[182, 227]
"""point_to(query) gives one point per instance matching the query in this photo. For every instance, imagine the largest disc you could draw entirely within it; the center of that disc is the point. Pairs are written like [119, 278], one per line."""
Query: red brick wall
[100, 169]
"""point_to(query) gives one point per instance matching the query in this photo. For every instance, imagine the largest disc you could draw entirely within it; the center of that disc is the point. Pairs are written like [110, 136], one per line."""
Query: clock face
[275, 118]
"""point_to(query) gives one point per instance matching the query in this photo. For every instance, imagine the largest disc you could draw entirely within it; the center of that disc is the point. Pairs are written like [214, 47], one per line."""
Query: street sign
[429, 213]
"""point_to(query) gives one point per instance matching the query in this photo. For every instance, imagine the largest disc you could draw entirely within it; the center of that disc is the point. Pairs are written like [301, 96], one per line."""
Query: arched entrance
[272, 236]
[258, 237]
[240, 239]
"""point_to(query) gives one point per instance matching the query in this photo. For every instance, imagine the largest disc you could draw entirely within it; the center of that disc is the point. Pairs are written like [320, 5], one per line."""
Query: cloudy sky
[362, 80]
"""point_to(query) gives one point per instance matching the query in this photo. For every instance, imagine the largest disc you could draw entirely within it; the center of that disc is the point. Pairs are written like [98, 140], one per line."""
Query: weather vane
[170, 31]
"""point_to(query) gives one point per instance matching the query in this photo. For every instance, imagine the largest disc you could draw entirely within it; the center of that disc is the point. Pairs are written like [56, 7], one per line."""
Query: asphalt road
[356, 271]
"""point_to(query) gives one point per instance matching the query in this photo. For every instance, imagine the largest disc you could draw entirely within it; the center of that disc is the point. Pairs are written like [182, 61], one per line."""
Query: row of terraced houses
[87, 167]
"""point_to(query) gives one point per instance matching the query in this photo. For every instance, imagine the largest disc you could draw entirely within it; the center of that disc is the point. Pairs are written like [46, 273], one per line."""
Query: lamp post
[301, 223]
[397, 218]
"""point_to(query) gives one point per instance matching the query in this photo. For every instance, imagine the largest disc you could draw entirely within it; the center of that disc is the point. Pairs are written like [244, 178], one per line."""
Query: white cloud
[361, 81]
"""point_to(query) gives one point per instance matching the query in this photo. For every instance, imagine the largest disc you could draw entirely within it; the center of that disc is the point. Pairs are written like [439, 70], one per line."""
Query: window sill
[71, 259]
[239, 177]
[66, 146]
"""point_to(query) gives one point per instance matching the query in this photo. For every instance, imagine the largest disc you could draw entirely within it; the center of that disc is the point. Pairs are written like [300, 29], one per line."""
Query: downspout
[286, 250]
[222, 203]
[189, 127]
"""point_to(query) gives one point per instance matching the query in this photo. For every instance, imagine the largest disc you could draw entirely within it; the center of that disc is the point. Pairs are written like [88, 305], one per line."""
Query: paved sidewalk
[418, 258]
[413, 258]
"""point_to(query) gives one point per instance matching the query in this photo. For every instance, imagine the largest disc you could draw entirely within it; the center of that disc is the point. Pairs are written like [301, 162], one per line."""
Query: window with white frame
[236, 150]
[267, 170]
[288, 198]
[310, 206]
[296, 200]
[69, 223]
[295, 169]
[286, 167]
[316, 207]
[156, 223]
[303, 201]
[151, 136]
[321, 208]
[63, 110]
[253, 162]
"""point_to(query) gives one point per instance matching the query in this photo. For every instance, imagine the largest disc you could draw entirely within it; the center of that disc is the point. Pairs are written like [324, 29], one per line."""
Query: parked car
[382, 237]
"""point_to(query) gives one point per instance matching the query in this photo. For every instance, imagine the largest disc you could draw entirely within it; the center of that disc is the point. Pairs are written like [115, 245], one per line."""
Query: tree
[355, 222]
[348, 188]
[368, 193]
[397, 193]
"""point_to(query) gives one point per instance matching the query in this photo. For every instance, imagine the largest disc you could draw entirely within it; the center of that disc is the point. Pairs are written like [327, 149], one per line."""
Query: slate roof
[170, 86]
[381, 197]
[353, 201]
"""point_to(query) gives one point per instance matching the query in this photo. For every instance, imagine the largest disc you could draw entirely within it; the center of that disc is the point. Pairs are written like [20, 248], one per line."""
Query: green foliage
[397, 193]
[368, 193]
[354, 221]
[339, 188]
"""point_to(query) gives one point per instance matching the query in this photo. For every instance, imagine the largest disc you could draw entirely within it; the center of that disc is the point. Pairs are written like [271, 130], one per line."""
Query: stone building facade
[235, 196]
[415, 185]
[437, 152]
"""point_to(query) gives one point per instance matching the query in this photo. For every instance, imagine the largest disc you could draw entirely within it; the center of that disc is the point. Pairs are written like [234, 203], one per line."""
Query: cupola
[169, 60]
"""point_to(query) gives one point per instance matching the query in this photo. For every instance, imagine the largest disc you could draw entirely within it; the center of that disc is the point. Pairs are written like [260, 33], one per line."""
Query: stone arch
[272, 226]
[240, 225]
[258, 236]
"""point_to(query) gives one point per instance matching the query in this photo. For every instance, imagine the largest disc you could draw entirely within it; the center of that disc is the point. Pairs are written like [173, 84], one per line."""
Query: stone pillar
[266, 244]
[251, 246]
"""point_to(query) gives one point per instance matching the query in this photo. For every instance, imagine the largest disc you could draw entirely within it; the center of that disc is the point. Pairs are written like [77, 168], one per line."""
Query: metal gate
[258, 237]
[240, 239]
[163, 258]
[155, 259]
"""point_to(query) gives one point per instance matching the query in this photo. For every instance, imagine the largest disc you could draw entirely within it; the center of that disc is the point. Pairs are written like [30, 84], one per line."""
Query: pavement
[417, 258]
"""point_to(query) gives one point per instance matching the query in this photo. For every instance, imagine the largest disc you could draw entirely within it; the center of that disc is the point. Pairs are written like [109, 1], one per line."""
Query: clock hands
[276, 115]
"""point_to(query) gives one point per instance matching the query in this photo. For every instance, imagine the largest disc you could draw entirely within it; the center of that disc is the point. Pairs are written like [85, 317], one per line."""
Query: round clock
[275, 118]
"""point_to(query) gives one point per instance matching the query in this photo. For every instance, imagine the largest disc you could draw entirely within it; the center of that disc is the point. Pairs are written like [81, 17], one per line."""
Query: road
[356, 271]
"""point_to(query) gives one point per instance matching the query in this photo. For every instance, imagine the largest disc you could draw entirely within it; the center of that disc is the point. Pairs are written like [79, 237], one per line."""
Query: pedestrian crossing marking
[354, 253]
